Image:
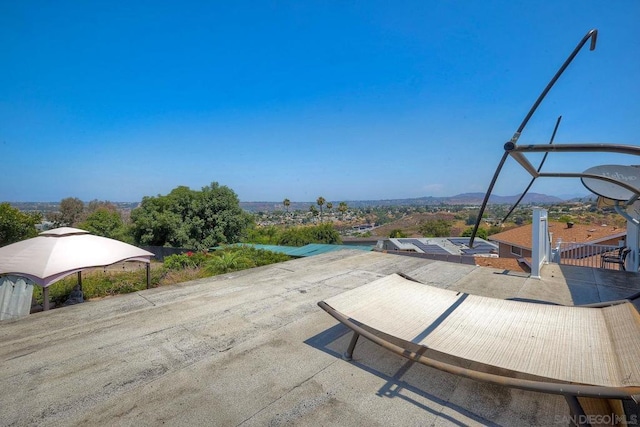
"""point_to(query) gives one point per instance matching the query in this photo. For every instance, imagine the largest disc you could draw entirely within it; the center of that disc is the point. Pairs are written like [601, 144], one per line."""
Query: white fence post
[540, 248]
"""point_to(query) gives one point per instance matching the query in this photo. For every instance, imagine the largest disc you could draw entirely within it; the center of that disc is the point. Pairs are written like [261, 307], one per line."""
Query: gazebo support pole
[148, 275]
[80, 279]
[45, 298]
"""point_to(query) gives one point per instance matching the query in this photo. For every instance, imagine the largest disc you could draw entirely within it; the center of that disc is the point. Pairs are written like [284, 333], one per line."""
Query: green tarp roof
[307, 250]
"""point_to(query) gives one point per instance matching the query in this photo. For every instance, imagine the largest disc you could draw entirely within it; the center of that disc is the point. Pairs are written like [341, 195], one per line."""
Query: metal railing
[584, 254]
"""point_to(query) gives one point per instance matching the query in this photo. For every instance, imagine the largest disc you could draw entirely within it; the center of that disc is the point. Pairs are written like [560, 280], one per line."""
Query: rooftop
[591, 233]
[252, 348]
[445, 246]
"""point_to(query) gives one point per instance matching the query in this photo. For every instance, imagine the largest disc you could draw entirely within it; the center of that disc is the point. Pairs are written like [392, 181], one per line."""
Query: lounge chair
[616, 257]
[590, 351]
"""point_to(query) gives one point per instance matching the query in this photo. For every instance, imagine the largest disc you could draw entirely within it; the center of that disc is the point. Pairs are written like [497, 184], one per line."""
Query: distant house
[517, 242]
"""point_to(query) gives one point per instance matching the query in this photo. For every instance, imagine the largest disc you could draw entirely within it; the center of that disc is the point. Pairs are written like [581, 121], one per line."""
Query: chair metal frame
[618, 258]
[570, 391]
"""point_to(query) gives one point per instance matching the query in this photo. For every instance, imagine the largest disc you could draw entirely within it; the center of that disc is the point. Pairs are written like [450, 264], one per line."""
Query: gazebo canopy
[57, 253]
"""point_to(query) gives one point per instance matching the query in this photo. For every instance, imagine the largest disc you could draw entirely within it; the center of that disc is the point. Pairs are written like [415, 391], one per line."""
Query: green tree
[191, 219]
[105, 222]
[482, 232]
[313, 210]
[71, 209]
[320, 201]
[329, 206]
[436, 228]
[324, 233]
[15, 225]
[286, 203]
[96, 204]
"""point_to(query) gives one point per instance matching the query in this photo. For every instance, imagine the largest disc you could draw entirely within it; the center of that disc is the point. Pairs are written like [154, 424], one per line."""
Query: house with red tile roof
[517, 242]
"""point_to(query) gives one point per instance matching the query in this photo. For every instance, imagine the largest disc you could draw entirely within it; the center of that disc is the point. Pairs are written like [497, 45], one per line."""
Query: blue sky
[346, 100]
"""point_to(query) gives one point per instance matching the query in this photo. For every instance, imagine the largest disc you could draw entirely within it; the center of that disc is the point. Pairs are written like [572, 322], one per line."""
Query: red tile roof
[522, 236]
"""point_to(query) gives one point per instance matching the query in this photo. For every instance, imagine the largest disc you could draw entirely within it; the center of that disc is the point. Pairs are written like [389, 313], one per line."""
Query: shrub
[264, 235]
[240, 258]
[188, 259]
[261, 257]
[397, 234]
[228, 261]
[482, 232]
[300, 236]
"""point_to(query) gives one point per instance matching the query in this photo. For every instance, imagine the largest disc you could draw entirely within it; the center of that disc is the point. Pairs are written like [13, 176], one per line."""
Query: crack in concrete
[295, 387]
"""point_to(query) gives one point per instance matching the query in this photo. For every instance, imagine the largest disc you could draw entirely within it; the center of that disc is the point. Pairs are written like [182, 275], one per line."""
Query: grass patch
[97, 284]
[100, 283]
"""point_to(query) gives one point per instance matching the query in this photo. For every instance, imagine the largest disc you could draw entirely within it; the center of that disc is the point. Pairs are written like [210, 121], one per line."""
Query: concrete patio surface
[252, 348]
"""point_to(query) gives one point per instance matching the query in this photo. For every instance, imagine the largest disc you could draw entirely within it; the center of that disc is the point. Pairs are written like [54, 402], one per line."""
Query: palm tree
[342, 207]
[320, 202]
[286, 203]
[329, 207]
[313, 210]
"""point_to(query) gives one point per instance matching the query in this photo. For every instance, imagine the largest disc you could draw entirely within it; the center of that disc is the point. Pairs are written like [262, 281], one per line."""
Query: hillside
[460, 199]
[410, 224]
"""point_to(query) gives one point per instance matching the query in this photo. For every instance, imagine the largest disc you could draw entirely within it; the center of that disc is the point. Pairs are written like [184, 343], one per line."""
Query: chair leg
[579, 417]
[349, 353]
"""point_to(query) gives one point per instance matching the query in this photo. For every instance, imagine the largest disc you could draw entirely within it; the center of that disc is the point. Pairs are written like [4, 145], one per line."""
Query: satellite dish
[626, 174]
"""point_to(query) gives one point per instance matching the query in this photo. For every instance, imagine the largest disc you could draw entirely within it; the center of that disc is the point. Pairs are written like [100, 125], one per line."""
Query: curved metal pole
[624, 214]
[589, 147]
[593, 35]
[544, 158]
[486, 198]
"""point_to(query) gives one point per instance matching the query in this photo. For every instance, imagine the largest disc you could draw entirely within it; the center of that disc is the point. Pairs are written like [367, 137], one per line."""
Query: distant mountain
[460, 199]
[477, 198]
[574, 197]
